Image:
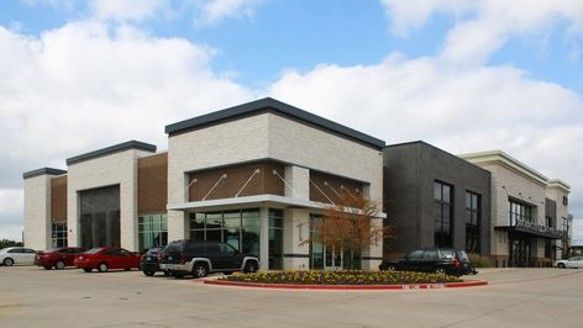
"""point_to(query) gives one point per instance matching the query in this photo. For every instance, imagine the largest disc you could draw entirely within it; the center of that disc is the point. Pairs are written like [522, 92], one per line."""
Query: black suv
[198, 258]
[440, 260]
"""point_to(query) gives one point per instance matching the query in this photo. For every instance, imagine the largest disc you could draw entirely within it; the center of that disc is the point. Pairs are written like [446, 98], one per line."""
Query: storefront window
[239, 229]
[152, 231]
[59, 234]
[473, 222]
[275, 239]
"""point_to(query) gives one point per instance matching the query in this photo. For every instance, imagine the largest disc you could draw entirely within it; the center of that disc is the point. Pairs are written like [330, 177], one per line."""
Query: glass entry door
[521, 252]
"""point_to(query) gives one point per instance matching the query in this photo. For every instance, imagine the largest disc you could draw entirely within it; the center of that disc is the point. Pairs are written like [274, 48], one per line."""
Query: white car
[17, 255]
[574, 262]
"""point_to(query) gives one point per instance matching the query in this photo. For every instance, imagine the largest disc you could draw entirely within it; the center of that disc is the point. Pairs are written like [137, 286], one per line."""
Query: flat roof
[132, 144]
[276, 106]
[43, 171]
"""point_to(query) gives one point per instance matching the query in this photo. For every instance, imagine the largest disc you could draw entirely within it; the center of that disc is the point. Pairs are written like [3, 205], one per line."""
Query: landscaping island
[345, 279]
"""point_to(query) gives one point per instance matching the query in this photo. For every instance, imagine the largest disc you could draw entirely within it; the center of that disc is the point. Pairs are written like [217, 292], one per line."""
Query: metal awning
[550, 234]
[251, 201]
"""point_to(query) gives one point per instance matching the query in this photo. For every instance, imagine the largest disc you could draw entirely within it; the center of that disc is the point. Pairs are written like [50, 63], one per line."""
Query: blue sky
[464, 75]
[302, 34]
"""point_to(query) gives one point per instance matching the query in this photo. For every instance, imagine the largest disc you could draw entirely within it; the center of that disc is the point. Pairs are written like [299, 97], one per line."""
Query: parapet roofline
[558, 183]
[43, 171]
[270, 104]
[500, 156]
[132, 144]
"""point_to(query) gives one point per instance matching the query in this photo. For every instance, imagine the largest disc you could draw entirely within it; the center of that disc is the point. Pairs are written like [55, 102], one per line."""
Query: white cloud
[81, 86]
[11, 202]
[458, 109]
[483, 26]
[127, 10]
[213, 11]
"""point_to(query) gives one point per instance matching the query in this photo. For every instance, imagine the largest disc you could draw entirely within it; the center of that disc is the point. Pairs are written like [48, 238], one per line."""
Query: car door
[113, 258]
[17, 255]
[229, 257]
[412, 262]
[430, 260]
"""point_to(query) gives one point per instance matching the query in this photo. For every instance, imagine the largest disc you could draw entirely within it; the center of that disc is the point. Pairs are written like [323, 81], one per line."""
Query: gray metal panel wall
[411, 170]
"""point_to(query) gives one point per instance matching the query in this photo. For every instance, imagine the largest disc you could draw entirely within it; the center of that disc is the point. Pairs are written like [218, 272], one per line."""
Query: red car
[58, 258]
[105, 258]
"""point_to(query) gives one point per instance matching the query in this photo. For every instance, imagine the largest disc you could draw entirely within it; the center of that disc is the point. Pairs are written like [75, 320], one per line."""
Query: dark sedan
[439, 260]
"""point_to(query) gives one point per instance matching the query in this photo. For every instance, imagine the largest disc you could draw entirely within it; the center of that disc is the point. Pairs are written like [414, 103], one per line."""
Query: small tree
[9, 243]
[347, 226]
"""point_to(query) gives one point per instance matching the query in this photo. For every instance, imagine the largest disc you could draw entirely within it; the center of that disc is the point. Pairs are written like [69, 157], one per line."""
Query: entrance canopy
[251, 201]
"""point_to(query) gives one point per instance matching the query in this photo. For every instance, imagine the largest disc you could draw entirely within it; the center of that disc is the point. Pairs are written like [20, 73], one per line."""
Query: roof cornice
[558, 183]
[278, 107]
[43, 171]
[133, 144]
[500, 157]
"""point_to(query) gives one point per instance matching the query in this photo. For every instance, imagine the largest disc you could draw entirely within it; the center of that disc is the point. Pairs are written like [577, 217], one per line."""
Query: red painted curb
[469, 283]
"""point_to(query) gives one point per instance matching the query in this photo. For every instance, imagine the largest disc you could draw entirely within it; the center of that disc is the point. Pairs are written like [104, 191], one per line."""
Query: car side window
[16, 250]
[123, 252]
[415, 255]
[430, 255]
[227, 249]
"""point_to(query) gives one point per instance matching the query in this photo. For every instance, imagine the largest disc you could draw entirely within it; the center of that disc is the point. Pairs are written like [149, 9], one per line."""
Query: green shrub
[345, 277]
[478, 262]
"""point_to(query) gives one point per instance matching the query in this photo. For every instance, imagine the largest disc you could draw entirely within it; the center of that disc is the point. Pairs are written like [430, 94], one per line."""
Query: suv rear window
[447, 253]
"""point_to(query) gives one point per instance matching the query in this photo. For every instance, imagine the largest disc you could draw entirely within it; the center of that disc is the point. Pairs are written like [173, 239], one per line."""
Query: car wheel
[167, 273]
[200, 270]
[103, 267]
[251, 267]
[60, 265]
[87, 270]
[8, 262]
[561, 265]
[47, 267]
[440, 270]
[149, 273]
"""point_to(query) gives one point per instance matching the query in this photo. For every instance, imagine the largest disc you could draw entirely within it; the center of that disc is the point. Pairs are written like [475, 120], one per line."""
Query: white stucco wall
[114, 169]
[37, 212]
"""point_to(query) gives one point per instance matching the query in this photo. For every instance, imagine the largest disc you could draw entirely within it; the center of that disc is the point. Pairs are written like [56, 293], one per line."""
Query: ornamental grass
[343, 277]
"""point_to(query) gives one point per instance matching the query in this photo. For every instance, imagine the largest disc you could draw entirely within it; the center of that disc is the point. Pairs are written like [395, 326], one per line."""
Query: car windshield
[94, 250]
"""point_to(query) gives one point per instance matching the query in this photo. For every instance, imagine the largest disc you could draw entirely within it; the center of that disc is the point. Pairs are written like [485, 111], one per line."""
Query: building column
[373, 255]
[37, 212]
[264, 238]
[177, 225]
[296, 234]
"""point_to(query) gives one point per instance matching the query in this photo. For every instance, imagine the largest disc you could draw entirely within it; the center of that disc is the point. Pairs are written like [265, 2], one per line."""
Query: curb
[469, 283]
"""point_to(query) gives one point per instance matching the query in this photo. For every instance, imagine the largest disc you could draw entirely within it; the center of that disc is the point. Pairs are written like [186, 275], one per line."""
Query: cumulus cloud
[127, 10]
[213, 11]
[483, 26]
[83, 86]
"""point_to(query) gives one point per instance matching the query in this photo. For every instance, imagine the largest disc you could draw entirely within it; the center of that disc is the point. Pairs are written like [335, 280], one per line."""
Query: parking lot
[33, 297]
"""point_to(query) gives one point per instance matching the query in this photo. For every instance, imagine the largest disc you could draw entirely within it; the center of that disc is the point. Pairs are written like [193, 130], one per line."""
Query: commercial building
[531, 225]
[435, 199]
[260, 175]
[256, 176]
